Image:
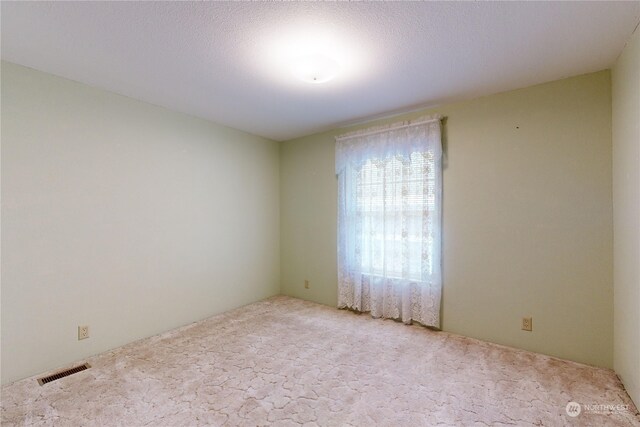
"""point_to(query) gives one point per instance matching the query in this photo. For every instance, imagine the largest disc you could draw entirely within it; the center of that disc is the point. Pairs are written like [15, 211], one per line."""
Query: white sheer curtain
[389, 215]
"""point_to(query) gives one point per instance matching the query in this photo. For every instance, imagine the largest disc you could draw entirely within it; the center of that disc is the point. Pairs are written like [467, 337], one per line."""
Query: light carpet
[284, 361]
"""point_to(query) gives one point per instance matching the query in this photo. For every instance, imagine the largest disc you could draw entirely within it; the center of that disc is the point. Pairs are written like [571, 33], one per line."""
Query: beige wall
[527, 224]
[626, 215]
[123, 216]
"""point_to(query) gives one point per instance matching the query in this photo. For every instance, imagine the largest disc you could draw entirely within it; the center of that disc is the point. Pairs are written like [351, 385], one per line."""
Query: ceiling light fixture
[308, 53]
[316, 68]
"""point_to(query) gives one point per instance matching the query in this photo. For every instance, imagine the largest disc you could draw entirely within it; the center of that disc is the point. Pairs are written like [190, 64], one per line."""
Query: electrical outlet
[83, 332]
[306, 284]
[527, 324]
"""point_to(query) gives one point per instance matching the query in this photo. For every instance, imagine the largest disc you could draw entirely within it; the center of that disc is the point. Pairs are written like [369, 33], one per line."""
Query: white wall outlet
[306, 284]
[527, 324]
[83, 332]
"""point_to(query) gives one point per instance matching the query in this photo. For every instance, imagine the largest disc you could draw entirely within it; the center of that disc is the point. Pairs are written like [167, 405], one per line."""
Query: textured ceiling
[227, 62]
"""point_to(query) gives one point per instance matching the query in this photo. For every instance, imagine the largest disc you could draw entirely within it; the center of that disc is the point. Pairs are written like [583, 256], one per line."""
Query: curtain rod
[387, 129]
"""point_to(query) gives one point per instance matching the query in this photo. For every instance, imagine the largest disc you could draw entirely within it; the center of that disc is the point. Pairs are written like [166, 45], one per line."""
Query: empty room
[320, 213]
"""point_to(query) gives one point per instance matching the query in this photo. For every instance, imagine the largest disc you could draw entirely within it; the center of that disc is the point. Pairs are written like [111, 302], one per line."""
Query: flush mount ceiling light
[316, 68]
[309, 53]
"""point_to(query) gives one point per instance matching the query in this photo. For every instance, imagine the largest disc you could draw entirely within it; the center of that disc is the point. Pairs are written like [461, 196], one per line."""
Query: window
[392, 197]
[389, 221]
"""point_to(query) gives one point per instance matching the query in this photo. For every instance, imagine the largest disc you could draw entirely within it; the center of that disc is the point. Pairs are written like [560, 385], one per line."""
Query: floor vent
[62, 374]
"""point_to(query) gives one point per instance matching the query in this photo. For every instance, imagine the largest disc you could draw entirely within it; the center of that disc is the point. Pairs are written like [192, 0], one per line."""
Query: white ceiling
[227, 62]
